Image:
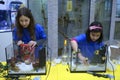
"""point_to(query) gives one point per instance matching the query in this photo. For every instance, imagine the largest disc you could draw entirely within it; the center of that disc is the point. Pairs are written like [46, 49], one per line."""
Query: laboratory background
[63, 20]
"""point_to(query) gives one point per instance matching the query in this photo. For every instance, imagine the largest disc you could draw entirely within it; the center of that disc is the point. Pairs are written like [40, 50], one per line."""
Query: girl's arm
[74, 45]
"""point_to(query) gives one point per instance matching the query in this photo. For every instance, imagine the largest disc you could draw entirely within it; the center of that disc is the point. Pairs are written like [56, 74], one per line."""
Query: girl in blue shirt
[89, 42]
[27, 32]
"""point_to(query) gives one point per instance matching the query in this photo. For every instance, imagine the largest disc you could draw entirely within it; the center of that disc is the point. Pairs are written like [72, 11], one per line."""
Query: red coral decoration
[27, 52]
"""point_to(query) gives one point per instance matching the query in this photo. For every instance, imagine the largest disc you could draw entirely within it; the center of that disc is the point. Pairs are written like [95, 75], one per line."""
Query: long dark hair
[99, 29]
[25, 12]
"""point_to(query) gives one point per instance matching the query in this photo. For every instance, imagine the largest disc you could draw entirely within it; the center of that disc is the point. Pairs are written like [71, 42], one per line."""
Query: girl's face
[24, 21]
[95, 35]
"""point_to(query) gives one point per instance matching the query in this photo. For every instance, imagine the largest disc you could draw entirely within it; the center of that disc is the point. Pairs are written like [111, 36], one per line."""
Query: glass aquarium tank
[5, 22]
[25, 60]
[97, 63]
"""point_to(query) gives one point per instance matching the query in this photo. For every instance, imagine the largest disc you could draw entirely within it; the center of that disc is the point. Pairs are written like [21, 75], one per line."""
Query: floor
[62, 72]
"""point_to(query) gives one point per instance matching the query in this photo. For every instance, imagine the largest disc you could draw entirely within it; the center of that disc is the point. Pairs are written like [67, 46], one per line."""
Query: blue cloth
[87, 48]
[39, 34]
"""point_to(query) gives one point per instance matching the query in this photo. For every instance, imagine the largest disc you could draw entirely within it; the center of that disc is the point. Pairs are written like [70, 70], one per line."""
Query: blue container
[5, 22]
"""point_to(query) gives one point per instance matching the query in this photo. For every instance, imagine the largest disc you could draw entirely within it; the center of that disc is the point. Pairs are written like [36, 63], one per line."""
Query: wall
[5, 40]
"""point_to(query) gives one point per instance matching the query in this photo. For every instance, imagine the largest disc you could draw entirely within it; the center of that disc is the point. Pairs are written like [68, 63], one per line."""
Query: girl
[27, 32]
[89, 42]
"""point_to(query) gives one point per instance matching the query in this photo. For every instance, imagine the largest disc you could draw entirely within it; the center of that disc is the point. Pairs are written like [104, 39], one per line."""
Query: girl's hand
[32, 43]
[20, 42]
[83, 59]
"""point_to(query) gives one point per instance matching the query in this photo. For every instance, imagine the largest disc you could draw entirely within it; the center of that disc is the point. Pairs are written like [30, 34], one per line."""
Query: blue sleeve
[40, 33]
[40, 38]
[80, 38]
